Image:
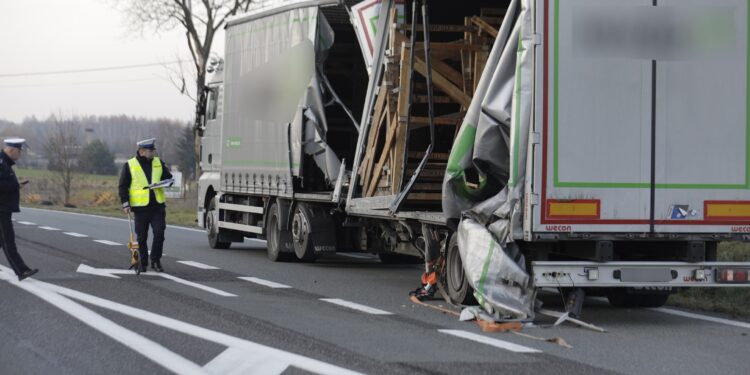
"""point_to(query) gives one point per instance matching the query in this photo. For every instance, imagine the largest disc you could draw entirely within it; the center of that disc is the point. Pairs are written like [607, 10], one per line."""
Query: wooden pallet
[396, 142]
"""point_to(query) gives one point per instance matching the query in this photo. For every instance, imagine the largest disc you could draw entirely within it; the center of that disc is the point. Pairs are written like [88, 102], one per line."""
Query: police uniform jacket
[9, 189]
[125, 179]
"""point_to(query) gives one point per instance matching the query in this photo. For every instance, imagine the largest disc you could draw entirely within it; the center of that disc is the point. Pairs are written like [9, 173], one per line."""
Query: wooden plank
[425, 197]
[439, 99]
[434, 156]
[484, 26]
[402, 110]
[419, 120]
[381, 111]
[443, 84]
[383, 156]
[437, 28]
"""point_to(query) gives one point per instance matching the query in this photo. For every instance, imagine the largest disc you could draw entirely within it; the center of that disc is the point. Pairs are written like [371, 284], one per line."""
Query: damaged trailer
[517, 145]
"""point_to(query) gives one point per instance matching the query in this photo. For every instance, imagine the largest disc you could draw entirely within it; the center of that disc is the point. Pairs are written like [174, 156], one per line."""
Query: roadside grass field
[95, 194]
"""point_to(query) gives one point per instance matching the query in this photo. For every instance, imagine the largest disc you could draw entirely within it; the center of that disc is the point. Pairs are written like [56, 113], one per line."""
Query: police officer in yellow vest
[146, 204]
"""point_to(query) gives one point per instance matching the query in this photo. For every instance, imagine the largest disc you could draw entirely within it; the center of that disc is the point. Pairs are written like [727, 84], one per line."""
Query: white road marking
[26, 223]
[111, 272]
[140, 344]
[197, 265]
[358, 256]
[356, 306]
[702, 317]
[267, 283]
[489, 341]
[48, 228]
[235, 361]
[110, 243]
[250, 348]
[74, 234]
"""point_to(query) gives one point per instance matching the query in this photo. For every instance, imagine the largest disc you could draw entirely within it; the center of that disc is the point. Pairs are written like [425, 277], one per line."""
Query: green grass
[731, 301]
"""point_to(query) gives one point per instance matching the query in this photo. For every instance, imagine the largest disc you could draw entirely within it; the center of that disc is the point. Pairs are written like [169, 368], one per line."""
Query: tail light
[733, 275]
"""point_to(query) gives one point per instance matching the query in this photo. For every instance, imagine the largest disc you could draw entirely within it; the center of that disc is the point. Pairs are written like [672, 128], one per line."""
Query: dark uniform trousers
[8, 242]
[156, 217]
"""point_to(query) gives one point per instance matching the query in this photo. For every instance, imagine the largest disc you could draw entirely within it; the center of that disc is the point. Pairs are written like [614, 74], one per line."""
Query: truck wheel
[212, 227]
[277, 239]
[622, 297]
[453, 284]
[301, 235]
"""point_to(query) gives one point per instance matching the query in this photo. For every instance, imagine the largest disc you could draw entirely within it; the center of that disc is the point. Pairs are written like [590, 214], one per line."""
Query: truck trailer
[598, 146]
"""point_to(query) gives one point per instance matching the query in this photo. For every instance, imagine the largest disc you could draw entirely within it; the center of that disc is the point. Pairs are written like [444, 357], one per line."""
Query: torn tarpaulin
[493, 144]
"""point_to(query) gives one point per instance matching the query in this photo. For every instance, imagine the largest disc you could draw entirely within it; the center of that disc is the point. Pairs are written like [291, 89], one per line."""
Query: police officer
[9, 203]
[146, 204]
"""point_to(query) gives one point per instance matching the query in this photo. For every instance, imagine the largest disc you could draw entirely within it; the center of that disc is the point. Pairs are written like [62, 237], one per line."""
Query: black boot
[157, 266]
[27, 273]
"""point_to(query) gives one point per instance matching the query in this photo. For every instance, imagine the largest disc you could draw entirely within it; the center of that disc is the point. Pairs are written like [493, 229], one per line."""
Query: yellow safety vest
[138, 195]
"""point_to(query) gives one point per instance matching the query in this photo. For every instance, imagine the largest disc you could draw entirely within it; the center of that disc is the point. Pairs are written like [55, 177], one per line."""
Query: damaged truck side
[598, 146]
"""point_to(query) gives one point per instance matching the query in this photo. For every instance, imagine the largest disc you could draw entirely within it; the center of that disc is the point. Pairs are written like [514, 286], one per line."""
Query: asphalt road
[234, 311]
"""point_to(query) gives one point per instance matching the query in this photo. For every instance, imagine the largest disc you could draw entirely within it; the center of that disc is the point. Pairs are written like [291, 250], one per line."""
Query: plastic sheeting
[493, 142]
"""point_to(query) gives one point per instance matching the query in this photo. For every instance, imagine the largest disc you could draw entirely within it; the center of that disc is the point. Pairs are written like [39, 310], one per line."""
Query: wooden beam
[443, 84]
[484, 26]
[383, 156]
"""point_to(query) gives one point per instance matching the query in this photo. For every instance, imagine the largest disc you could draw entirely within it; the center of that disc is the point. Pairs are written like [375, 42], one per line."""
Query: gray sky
[59, 35]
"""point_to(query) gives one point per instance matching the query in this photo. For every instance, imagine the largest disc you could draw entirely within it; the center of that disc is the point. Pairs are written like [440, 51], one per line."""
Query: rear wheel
[277, 238]
[454, 286]
[212, 227]
[302, 235]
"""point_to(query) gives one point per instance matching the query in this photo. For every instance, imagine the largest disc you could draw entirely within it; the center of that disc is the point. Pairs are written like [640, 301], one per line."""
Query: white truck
[597, 145]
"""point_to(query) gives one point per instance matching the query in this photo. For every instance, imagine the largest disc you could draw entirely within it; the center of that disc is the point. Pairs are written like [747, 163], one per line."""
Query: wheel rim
[455, 270]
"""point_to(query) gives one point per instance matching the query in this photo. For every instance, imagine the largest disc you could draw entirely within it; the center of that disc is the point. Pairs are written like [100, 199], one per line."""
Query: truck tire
[302, 235]
[212, 228]
[277, 239]
[453, 284]
[622, 297]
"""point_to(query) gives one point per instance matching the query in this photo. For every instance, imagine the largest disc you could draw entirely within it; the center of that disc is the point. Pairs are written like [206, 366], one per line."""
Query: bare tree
[200, 19]
[62, 148]
[200, 23]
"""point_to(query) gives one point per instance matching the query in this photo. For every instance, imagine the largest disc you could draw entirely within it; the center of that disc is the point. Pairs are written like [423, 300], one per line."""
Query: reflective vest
[138, 195]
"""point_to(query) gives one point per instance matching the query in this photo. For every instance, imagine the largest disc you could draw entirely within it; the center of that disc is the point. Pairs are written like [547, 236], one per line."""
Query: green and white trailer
[606, 147]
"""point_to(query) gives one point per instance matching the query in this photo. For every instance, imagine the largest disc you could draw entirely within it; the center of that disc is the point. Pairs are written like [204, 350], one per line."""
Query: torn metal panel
[492, 144]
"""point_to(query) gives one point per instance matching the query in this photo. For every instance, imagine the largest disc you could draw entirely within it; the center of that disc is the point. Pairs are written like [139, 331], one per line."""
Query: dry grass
[95, 194]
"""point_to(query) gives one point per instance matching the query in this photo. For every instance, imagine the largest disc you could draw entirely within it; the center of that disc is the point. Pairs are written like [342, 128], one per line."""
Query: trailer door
[644, 124]
[702, 128]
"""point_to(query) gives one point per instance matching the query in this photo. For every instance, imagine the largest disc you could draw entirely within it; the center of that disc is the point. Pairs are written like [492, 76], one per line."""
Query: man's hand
[126, 209]
[23, 183]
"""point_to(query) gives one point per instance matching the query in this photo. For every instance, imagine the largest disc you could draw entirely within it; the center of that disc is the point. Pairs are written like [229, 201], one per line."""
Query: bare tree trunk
[61, 148]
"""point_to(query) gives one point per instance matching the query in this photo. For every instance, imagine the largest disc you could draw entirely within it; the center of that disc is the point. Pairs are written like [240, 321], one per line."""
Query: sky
[40, 36]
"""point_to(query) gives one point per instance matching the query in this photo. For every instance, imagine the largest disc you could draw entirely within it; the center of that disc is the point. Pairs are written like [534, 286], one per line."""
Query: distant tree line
[94, 142]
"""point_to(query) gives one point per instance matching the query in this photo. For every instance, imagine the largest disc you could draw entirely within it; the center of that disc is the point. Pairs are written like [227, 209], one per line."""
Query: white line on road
[267, 283]
[489, 341]
[195, 285]
[174, 363]
[110, 243]
[197, 265]
[356, 306]
[26, 223]
[140, 344]
[702, 317]
[74, 234]
[111, 272]
[48, 228]
[358, 256]
[238, 361]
